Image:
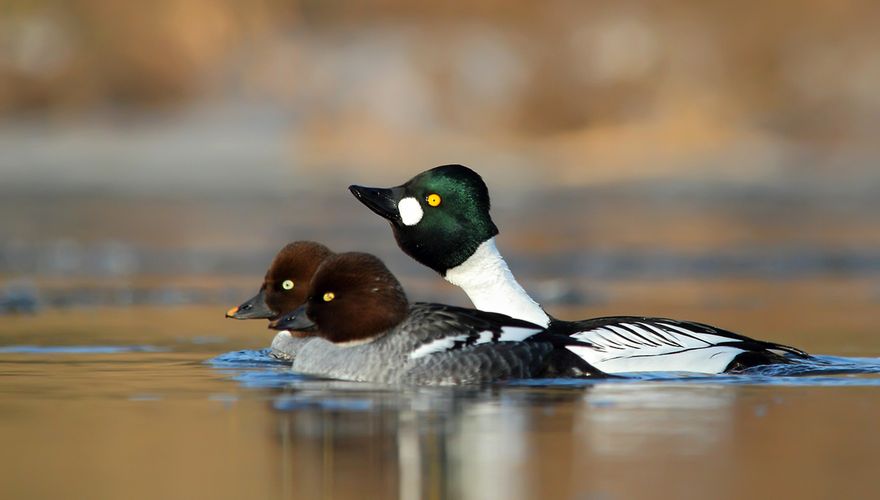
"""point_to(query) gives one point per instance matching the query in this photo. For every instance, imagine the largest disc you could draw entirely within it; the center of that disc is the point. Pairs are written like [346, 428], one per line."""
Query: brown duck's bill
[296, 321]
[253, 308]
[382, 201]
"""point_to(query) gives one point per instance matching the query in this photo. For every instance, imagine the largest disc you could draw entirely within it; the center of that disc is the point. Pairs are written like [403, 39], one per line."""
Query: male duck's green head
[439, 217]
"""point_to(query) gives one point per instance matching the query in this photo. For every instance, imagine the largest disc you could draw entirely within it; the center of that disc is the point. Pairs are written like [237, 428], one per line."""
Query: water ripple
[258, 369]
[298, 402]
[818, 371]
[274, 379]
[78, 349]
[246, 358]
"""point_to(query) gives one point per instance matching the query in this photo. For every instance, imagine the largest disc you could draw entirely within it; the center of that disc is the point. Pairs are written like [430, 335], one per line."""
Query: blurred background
[708, 160]
[643, 157]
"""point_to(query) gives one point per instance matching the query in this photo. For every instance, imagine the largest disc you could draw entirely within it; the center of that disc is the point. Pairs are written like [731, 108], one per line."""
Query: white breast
[490, 285]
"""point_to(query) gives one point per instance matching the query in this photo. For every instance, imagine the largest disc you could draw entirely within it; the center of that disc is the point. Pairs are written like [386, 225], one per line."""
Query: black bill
[253, 308]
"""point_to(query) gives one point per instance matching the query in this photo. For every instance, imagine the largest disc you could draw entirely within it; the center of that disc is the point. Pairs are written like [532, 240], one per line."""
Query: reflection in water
[554, 439]
[622, 412]
[339, 440]
[342, 439]
[165, 424]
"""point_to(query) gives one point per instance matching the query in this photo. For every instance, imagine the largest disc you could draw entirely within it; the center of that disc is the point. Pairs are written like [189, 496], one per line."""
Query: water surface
[150, 416]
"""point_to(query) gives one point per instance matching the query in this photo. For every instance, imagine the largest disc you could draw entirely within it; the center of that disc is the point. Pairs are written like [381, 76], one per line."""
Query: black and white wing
[637, 344]
[444, 328]
[456, 345]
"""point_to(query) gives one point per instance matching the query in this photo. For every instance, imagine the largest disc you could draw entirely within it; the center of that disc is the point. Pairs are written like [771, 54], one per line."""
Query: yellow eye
[329, 296]
[434, 199]
[287, 285]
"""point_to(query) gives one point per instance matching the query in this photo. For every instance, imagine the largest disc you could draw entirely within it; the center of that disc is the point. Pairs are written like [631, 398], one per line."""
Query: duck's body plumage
[443, 345]
[454, 235]
[637, 344]
[286, 346]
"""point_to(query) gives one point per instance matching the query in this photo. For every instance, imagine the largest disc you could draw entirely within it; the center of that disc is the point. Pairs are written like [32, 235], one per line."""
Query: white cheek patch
[410, 211]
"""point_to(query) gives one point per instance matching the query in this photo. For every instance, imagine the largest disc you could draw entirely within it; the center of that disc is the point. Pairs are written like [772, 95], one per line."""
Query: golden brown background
[707, 160]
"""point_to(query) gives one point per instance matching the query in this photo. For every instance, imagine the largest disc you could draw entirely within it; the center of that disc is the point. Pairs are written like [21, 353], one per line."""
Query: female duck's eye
[434, 199]
[329, 296]
[287, 285]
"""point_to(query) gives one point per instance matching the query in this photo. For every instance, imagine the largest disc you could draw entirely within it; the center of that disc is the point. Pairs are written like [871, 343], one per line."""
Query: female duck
[370, 332]
[284, 289]
[441, 219]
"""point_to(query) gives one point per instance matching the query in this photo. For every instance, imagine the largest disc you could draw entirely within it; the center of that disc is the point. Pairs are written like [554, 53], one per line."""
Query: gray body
[387, 359]
[285, 346]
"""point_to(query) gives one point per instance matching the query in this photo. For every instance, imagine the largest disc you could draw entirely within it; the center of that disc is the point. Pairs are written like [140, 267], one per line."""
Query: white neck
[490, 285]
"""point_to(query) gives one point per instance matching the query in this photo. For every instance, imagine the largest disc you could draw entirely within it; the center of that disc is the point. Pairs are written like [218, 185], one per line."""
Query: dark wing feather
[636, 332]
[640, 342]
[461, 327]
[484, 345]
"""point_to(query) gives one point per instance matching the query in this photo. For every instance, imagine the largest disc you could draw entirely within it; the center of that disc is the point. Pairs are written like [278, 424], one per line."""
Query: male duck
[441, 218]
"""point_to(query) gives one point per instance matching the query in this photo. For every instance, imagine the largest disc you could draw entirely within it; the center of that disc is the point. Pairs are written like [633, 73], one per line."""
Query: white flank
[618, 349]
[410, 211]
[709, 359]
[490, 285]
[438, 345]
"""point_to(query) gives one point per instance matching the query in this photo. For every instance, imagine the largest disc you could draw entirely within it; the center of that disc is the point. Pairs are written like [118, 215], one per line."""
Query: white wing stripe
[688, 333]
[608, 342]
[507, 334]
[622, 335]
[485, 336]
[628, 342]
[662, 334]
[632, 330]
[438, 345]
[707, 338]
[516, 333]
[589, 336]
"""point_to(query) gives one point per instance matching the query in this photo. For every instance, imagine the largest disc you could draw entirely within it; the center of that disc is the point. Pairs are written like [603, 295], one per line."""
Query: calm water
[128, 382]
[136, 403]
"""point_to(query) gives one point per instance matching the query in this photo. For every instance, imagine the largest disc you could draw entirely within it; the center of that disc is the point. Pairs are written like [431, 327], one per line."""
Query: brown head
[353, 297]
[286, 284]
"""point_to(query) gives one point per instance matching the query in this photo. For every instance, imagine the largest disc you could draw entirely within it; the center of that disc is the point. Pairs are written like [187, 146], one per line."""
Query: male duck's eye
[434, 199]
[287, 285]
[329, 296]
